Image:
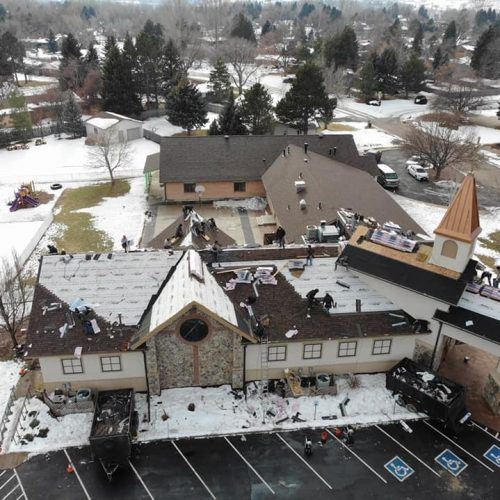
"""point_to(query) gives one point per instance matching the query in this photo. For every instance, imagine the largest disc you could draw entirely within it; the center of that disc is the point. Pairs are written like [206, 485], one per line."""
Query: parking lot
[384, 462]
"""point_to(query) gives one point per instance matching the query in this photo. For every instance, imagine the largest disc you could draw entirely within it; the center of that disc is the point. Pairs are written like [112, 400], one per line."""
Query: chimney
[306, 147]
[330, 152]
[303, 204]
[334, 151]
[226, 137]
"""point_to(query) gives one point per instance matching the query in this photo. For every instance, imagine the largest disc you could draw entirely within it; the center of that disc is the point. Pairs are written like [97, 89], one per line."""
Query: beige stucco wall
[214, 191]
[363, 362]
[132, 373]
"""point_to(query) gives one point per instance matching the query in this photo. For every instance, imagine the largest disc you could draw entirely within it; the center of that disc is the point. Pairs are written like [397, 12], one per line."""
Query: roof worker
[179, 232]
[216, 250]
[125, 243]
[328, 302]
[310, 255]
[280, 237]
[308, 447]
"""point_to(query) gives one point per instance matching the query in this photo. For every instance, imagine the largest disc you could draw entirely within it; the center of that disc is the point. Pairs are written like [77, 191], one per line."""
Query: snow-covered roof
[102, 123]
[479, 304]
[120, 285]
[191, 282]
[122, 117]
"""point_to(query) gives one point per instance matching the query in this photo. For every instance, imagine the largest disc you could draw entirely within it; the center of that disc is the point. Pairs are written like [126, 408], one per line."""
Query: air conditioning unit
[300, 186]
[312, 233]
[328, 234]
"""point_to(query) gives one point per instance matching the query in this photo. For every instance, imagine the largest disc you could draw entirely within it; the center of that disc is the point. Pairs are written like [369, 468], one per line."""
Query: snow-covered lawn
[388, 109]
[9, 375]
[161, 126]
[218, 411]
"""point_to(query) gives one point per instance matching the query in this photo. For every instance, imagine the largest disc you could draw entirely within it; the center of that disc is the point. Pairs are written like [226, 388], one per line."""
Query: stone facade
[422, 354]
[492, 392]
[175, 362]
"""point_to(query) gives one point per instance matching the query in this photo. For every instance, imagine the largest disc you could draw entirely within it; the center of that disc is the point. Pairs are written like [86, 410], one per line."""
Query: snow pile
[255, 203]
[9, 375]
[219, 411]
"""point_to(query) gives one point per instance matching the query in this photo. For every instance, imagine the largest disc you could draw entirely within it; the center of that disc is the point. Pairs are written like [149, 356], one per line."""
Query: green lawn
[79, 233]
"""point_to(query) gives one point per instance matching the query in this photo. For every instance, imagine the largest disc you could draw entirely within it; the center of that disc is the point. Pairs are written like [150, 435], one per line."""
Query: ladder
[264, 365]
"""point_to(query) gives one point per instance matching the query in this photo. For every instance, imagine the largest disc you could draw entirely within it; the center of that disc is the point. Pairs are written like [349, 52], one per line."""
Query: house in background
[120, 127]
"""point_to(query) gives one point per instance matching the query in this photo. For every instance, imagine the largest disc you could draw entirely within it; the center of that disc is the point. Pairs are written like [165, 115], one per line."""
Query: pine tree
[72, 117]
[413, 74]
[342, 50]
[242, 28]
[71, 70]
[3, 12]
[306, 99]
[185, 107]
[266, 28]
[172, 67]
[214, 128]
[418, 39]
[220, 81]
[440, 58]
[487, 53]
[230, 122]
[387, 69]
[70, 48]
[91, 57]
[257, 110]
[368, 84]
[20, 116]
[450, 35]
[52, 43]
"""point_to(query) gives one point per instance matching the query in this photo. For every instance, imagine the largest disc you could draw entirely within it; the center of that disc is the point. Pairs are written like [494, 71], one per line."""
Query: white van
[387, 177]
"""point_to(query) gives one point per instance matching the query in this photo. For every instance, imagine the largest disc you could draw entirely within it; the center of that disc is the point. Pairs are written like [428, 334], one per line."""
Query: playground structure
[25, 198]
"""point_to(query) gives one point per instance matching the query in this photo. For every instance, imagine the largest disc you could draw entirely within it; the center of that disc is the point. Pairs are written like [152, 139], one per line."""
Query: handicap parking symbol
[451, 462]
[493, 455]
[399, 468]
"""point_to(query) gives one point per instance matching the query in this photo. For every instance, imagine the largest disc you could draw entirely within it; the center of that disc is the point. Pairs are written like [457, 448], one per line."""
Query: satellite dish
[199, 189]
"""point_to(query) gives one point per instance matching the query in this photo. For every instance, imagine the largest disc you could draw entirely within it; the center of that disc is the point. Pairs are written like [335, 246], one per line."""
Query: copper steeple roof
[461, 220]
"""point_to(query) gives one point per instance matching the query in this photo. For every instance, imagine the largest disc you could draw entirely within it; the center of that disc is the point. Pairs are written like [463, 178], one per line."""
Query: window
[240, 187]
[449, 249]
[312, 351]
[194, 330]
[347, 349]
[382, 346]
[73, 365]
[277, 353]
[190, 187]
[111, 363]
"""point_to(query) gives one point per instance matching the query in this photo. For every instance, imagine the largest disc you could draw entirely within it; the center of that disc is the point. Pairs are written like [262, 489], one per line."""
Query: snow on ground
[428, 216]
[123, 214]
[388, 109]
[161, 126]
[217, 411]
[367, 138]
[492, 158]
[9, 375]
[485, 134]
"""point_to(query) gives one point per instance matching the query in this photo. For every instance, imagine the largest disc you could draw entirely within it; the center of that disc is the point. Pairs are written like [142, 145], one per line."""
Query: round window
[194, 330]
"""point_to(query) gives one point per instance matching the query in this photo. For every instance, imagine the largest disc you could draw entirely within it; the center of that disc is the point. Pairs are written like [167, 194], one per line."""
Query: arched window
[449, 249]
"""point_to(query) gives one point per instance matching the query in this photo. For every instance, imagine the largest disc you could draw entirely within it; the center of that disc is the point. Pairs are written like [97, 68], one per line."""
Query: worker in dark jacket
[328, 302]
[310, 255]
[280, 237]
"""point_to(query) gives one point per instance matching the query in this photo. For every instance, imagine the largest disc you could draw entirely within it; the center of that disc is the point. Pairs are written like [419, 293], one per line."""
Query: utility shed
[122, 128]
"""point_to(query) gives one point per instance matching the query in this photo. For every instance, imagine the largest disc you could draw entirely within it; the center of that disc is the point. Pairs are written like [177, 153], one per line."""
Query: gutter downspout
[244, 368]
[147, 383]
[436, 345]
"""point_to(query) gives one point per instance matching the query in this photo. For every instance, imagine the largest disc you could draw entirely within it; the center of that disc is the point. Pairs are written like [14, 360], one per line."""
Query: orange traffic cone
[70, 469]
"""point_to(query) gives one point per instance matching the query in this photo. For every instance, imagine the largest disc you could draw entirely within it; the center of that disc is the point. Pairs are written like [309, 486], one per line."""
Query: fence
[9, 136]
[6, 414]
[152, 136]
[21, 418]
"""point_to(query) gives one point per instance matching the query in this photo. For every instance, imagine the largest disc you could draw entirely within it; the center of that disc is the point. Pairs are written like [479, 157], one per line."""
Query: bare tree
[440, 146]
[458, 98]
[15, 295]
[240, 55]
[109, 152]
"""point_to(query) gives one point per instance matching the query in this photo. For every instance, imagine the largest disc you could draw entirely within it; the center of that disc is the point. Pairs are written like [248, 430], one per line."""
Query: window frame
[72, 366]
[347, 349]
[238, 185]
[277, 353]
[111, 363]
[190, 187]
[382, 347]
[313, 351]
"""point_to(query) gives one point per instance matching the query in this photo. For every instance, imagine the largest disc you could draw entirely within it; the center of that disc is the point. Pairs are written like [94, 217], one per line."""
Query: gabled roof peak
[461, 220]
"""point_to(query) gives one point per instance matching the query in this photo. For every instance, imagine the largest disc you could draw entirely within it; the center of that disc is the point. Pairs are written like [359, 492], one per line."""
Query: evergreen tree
[11, 56]
[486, 55]
[306, 99]
[450, 35]
[422, 12]
[52, 43]
[395, 29]
[413, 74]
[306, 10]
[242, 28]
[172, 67]
[220, 81]
[387, 69]
[20, 116]
[230, 122]
[70, 48]
[72, 73]
[266, 28]
[342, 50]
[418, 39]
[185, 107]
[72, 117]
[368, 84]
[440, 58]
[335, 13]
[257, 110]
[214, 128]
[91, 57]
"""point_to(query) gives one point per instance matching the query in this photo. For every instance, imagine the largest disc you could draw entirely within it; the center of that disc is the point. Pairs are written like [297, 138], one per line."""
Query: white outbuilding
[125, 128]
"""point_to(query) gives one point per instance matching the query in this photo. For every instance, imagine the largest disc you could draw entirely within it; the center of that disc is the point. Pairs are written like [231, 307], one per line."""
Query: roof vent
[195, 265]
[306, 147]
[300, 186]
[226, 137]
[302, 204]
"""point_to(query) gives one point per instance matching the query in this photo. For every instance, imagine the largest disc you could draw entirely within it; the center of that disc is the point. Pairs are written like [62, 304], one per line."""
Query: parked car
[420, 99]
[418, 160]
[387, 177]
[418, 172]
[374, 102]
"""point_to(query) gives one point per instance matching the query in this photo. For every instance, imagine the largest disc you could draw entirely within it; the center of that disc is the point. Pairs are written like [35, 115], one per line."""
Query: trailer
[422, 390]
[114, 426]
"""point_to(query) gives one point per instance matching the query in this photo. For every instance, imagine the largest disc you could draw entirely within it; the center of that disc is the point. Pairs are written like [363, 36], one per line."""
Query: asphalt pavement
[385, 462]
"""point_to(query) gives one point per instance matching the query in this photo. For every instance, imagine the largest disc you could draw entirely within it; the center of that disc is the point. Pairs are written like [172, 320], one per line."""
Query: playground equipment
[25, 198]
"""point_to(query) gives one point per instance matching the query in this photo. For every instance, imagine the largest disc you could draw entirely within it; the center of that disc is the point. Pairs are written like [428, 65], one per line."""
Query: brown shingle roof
[461, 220]
[333, 184]
[240, 157]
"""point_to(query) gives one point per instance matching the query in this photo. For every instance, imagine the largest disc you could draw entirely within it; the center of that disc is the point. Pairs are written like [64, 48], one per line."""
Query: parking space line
[77, 475]
[458, 446]
[407, 450]
[301, 458]
[193, 469]
[3, 473]
[8, 481]
[142, 482]
[486, 431]
[357, 456]
[11, 491]
[249, 465]
[21, 485]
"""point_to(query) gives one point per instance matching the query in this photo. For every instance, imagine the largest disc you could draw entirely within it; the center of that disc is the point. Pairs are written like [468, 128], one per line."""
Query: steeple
[458, 230]
[461, 220]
